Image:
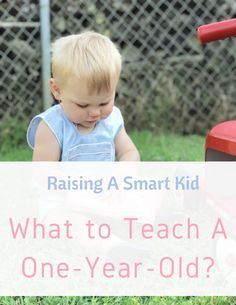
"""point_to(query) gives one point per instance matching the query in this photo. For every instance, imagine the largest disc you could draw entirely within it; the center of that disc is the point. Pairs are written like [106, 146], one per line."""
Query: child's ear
[55, 89]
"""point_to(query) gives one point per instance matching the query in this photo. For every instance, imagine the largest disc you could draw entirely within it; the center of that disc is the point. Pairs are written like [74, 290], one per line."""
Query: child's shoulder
[116, 114]
[54, 119]
[53, 116]
[55, 111]
[114, 122]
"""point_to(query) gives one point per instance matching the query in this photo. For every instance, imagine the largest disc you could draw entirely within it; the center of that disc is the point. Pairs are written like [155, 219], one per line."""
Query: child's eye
[104, 104]
[82, 106]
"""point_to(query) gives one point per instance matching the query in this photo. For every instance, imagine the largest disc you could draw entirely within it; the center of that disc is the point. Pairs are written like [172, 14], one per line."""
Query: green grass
[22, 153]
[170, 147]
[118, 300]
[152, 147]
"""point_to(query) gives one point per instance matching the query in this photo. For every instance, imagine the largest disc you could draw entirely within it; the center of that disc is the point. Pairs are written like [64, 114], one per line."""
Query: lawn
[118, 300]
[152, 147]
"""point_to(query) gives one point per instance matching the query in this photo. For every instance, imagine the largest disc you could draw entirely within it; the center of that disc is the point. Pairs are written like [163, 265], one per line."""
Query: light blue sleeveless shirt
[98, 145]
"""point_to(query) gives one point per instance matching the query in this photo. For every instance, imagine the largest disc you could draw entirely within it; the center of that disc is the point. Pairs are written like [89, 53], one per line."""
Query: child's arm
[125, 148]
[46, 147]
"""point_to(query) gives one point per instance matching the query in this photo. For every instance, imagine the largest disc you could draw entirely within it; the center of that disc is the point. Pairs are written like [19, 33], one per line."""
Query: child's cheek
[109, 109]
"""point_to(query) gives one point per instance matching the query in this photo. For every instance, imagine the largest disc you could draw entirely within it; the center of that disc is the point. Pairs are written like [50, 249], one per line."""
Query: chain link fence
[20, 88]
[169, 81]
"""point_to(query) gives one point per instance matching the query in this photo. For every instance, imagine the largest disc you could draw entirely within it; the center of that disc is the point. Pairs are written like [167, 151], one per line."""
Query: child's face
[86, 109]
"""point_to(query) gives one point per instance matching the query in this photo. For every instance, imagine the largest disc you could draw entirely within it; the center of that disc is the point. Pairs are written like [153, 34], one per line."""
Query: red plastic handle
[217, 30]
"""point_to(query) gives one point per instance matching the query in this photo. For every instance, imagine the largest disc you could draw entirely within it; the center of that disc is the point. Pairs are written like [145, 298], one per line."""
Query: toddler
[85, 125]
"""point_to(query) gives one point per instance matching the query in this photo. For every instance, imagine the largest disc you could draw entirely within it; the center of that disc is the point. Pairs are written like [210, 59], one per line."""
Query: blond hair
[91, 57]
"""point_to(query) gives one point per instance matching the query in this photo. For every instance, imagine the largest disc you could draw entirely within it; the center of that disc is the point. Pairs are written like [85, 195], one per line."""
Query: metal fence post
[45, 47]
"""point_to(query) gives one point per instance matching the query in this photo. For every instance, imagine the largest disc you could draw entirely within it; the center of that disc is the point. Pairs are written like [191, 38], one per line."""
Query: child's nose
[94, 112]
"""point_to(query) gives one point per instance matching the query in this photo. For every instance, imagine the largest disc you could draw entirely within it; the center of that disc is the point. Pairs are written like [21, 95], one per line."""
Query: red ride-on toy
[221, 140]
[220, 145]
